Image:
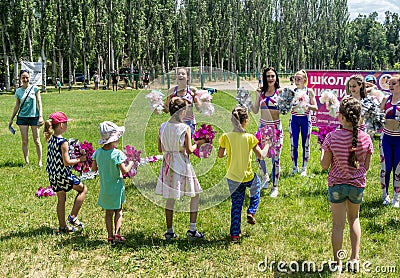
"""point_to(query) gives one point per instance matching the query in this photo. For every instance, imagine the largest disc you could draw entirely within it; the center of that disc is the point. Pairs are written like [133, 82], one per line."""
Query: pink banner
[320, 80]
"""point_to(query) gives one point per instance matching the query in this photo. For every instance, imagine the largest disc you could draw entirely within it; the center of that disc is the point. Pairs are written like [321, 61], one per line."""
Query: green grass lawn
[295, 227]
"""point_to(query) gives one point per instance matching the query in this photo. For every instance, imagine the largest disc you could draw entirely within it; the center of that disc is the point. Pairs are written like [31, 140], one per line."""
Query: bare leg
[61, 196]
[24, 137]
[355, 229]
[338, 223]
[194, 207]
[109, 225]
[169, 212]
[80, 197]
[118, 220]
[36, 139]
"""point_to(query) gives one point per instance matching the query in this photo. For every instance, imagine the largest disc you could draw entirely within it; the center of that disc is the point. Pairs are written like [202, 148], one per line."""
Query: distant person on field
[109, 161]
[347, 152]
[59, 166]
[146, 80]
[29, 112]
[177, 177]
[239, 146]
[96, 80]
[59, 85]
[115, 79]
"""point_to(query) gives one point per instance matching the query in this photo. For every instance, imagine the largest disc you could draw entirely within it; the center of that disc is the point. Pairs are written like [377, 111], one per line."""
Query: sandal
[75, 221]
[169, 236]
[250, 219]
[235, 239]
[119, 239]
[66, 229]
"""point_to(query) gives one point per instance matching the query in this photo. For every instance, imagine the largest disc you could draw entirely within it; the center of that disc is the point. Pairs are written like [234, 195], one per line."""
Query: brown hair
[239, 116]
[175, 105]
[360, 81]
[48, 129]
[350, 108]
[265, 80]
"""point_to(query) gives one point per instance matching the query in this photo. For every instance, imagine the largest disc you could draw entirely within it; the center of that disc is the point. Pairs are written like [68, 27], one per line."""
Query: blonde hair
[49, 129]
[304, 74]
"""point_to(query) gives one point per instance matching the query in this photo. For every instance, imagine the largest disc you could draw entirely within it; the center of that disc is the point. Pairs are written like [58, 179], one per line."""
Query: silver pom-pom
[370, 110]
[285, 101]
[243, 98]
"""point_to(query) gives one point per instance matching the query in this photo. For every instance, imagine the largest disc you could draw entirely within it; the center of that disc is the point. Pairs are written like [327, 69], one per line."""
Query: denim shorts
[29, 121]
[338, 193]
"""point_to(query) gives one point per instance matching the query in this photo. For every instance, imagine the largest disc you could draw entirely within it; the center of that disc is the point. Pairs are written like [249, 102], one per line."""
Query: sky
[366, 7]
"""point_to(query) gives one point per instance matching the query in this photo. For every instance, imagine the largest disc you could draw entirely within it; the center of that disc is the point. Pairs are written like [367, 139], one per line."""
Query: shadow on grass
[372, 208]
[43, 230]
[12, 164]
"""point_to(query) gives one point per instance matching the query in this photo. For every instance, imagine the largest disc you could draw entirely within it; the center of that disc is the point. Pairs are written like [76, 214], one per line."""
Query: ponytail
[239, 116]
[48, 129]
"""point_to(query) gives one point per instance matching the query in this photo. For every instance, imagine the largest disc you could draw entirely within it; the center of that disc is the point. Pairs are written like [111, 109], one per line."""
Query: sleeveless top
[55, 166]
[188, 96]
[269, 102]
[391, 110]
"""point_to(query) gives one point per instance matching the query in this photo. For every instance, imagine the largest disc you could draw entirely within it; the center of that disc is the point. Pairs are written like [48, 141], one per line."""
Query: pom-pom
[378, 94]
[155, 98]
[331, 102]
[243, 98]
[322, 132]
[204, 132]
[370, 110]
[45, 192]
[301, 101]
[270, 135]
[77, 150]
[132, 155]
[285, 101]
[205, 98]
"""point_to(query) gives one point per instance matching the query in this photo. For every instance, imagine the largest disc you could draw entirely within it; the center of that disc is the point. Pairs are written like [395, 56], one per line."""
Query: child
[177, 177]
[355, 87]
[347, 151]
[59, 85]
[188, 94]
[300, 122]
[58, 167]
[109, 161]
[238, 145]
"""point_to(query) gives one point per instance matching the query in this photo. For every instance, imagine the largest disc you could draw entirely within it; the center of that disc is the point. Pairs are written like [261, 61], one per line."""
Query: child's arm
[367, 161]
[221, 152]
[125, 168]
[65, 156]
[261, 153]
[326, 159]
[188, 142]
[94, 167]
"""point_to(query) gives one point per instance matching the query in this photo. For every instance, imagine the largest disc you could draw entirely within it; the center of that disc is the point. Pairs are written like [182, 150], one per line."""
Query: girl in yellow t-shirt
[238, 146]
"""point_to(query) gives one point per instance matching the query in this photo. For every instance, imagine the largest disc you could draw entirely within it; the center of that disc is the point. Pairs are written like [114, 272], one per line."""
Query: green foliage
[296, 226]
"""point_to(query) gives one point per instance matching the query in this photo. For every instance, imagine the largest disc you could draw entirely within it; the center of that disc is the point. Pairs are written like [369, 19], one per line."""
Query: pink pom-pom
[132, 155]
[204, 132]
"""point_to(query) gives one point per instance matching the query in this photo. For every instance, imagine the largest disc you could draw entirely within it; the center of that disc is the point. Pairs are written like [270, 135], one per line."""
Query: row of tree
[235, 35]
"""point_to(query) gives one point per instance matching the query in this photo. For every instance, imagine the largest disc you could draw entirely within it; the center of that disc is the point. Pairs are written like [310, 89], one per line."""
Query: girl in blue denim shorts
[347, 152]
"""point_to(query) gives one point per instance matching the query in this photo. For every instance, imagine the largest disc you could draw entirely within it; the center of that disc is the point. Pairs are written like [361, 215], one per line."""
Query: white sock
[192, 227]
[170, 230]
[384, 192]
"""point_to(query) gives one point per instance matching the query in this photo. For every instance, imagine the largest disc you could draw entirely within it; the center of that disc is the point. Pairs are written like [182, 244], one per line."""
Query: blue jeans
[237, 191]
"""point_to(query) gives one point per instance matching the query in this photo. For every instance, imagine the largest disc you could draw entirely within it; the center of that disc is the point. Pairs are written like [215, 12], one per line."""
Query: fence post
[237, 79]
[169, 81]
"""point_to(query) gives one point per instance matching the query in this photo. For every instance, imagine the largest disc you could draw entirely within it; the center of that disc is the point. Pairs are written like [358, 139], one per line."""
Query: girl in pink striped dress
[347, 152]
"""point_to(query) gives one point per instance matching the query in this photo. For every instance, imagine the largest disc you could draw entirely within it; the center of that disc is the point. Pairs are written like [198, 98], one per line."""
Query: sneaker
[75, 221]
[386, 200]
[395, 201]
[303, 173]
[250, 219]
[265, 181]
[294, 171]
[169, 236]
[66, 229]
[274, 192]
[235, 239]
[194, 235]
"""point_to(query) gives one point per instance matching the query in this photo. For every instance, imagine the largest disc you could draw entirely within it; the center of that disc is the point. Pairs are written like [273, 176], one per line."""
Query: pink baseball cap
[58, 117]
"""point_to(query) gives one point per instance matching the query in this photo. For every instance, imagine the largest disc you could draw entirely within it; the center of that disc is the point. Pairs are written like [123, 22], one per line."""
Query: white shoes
[395, 201]
[385, 199]
[265, 181]
[294, 171]
[303, 173]
[274, 192]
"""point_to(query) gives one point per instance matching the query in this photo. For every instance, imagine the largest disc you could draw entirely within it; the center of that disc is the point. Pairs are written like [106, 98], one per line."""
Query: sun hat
[110, 132]
[58, 117]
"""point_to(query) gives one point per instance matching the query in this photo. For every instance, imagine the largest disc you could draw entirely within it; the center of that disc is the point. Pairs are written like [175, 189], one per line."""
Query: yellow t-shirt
[239, 149]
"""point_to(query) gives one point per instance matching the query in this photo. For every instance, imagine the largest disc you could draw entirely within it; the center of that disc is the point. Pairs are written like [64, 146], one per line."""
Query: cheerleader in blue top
[59, 166]
[300, 122]
[109, 161]
[188, 94]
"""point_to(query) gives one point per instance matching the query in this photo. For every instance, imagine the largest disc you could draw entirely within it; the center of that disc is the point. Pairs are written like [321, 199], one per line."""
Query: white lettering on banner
[315, 80]
[332, 80]
[340, 79]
